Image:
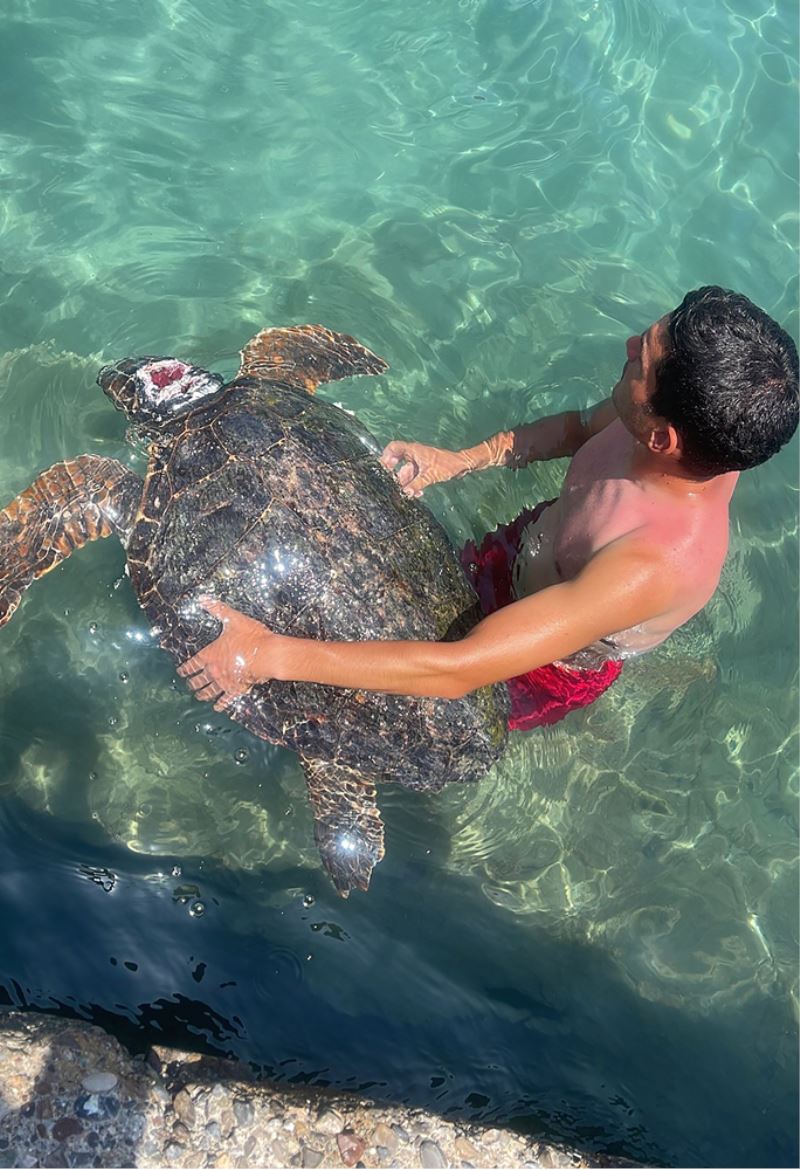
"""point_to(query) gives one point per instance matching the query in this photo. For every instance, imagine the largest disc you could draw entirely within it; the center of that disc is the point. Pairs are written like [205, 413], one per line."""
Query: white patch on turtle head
[168, 386]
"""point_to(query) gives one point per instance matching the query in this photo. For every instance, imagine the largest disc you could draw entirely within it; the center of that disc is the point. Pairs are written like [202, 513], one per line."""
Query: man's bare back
[602, 502]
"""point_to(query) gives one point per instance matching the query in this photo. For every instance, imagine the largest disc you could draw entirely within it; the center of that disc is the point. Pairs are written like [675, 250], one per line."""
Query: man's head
[714, 382]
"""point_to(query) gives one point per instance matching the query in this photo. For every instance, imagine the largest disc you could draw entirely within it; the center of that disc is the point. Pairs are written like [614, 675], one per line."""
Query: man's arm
[622, 586]
[553, 437]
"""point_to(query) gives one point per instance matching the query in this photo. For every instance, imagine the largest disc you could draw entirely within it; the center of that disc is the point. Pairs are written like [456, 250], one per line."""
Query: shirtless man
[632, 548]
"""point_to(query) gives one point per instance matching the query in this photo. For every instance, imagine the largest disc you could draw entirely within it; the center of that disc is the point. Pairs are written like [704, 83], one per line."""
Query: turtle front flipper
[306, 356]
[348, 828]
[68, 505]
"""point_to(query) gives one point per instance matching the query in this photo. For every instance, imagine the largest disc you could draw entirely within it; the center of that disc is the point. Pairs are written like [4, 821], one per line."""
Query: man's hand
[233, 662]
[423, 465]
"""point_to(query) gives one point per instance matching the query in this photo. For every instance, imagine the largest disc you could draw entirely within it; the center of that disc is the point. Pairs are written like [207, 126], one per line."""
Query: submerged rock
[99, 1082]
[430, 1155]
[186, 1109]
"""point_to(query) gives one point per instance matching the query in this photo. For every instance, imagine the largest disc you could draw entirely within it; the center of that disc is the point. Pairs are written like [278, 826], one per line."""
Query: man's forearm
[548, 438]
[401, 668]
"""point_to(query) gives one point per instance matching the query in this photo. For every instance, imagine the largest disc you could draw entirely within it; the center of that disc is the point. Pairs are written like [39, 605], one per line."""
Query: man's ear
[664, 440]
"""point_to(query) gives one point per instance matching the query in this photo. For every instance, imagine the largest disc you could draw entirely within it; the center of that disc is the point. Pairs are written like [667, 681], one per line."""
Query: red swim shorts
[549, 693]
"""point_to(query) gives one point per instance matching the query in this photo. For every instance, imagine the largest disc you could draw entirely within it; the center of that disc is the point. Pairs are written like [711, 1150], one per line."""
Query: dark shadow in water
[423, 993]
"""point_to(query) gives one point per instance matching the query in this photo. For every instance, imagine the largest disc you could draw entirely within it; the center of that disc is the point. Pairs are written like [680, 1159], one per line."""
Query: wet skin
[617, 487]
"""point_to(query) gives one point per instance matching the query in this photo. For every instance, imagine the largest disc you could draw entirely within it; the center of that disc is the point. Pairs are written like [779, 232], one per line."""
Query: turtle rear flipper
[348, 828]
[68, 505]
[306, 356]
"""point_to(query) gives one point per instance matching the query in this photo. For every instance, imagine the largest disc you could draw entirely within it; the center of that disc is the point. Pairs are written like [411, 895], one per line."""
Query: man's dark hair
[728, 382]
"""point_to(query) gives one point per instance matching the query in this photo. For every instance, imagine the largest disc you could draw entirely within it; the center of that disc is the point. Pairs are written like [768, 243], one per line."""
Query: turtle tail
[68, 505]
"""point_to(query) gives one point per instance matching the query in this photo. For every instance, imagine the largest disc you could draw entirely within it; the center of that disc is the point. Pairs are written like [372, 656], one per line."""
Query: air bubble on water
[309, 899]
[144, 809]
[240, 756]
[176, 871]
[196, 909]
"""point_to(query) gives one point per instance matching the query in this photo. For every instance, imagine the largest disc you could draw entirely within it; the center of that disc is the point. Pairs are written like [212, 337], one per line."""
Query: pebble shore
[71, 1095]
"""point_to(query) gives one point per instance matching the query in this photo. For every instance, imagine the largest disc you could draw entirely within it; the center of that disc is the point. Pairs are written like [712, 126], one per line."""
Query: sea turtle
[275, 502]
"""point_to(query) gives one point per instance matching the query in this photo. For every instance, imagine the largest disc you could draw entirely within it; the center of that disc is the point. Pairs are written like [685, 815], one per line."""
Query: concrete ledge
[71, 1095]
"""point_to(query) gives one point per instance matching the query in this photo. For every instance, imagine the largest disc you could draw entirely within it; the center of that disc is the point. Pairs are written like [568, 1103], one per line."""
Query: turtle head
[156, 390]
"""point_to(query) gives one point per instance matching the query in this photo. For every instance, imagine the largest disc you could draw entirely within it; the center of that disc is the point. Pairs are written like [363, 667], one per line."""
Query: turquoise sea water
[600, 941]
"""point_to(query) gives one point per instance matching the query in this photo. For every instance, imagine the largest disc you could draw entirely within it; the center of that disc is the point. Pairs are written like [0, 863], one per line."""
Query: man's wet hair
[728, 382]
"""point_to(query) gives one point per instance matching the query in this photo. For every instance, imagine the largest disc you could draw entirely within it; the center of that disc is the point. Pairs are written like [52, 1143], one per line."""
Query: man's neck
[666, 473]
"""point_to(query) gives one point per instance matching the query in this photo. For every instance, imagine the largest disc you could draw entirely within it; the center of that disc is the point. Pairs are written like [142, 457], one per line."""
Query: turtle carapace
[275, 501]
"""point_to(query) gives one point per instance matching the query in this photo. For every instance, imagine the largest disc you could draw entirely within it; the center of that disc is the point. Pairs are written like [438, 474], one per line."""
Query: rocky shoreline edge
[72, 1095]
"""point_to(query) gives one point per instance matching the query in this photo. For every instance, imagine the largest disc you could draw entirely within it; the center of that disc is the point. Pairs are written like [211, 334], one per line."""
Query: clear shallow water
[601, 940]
